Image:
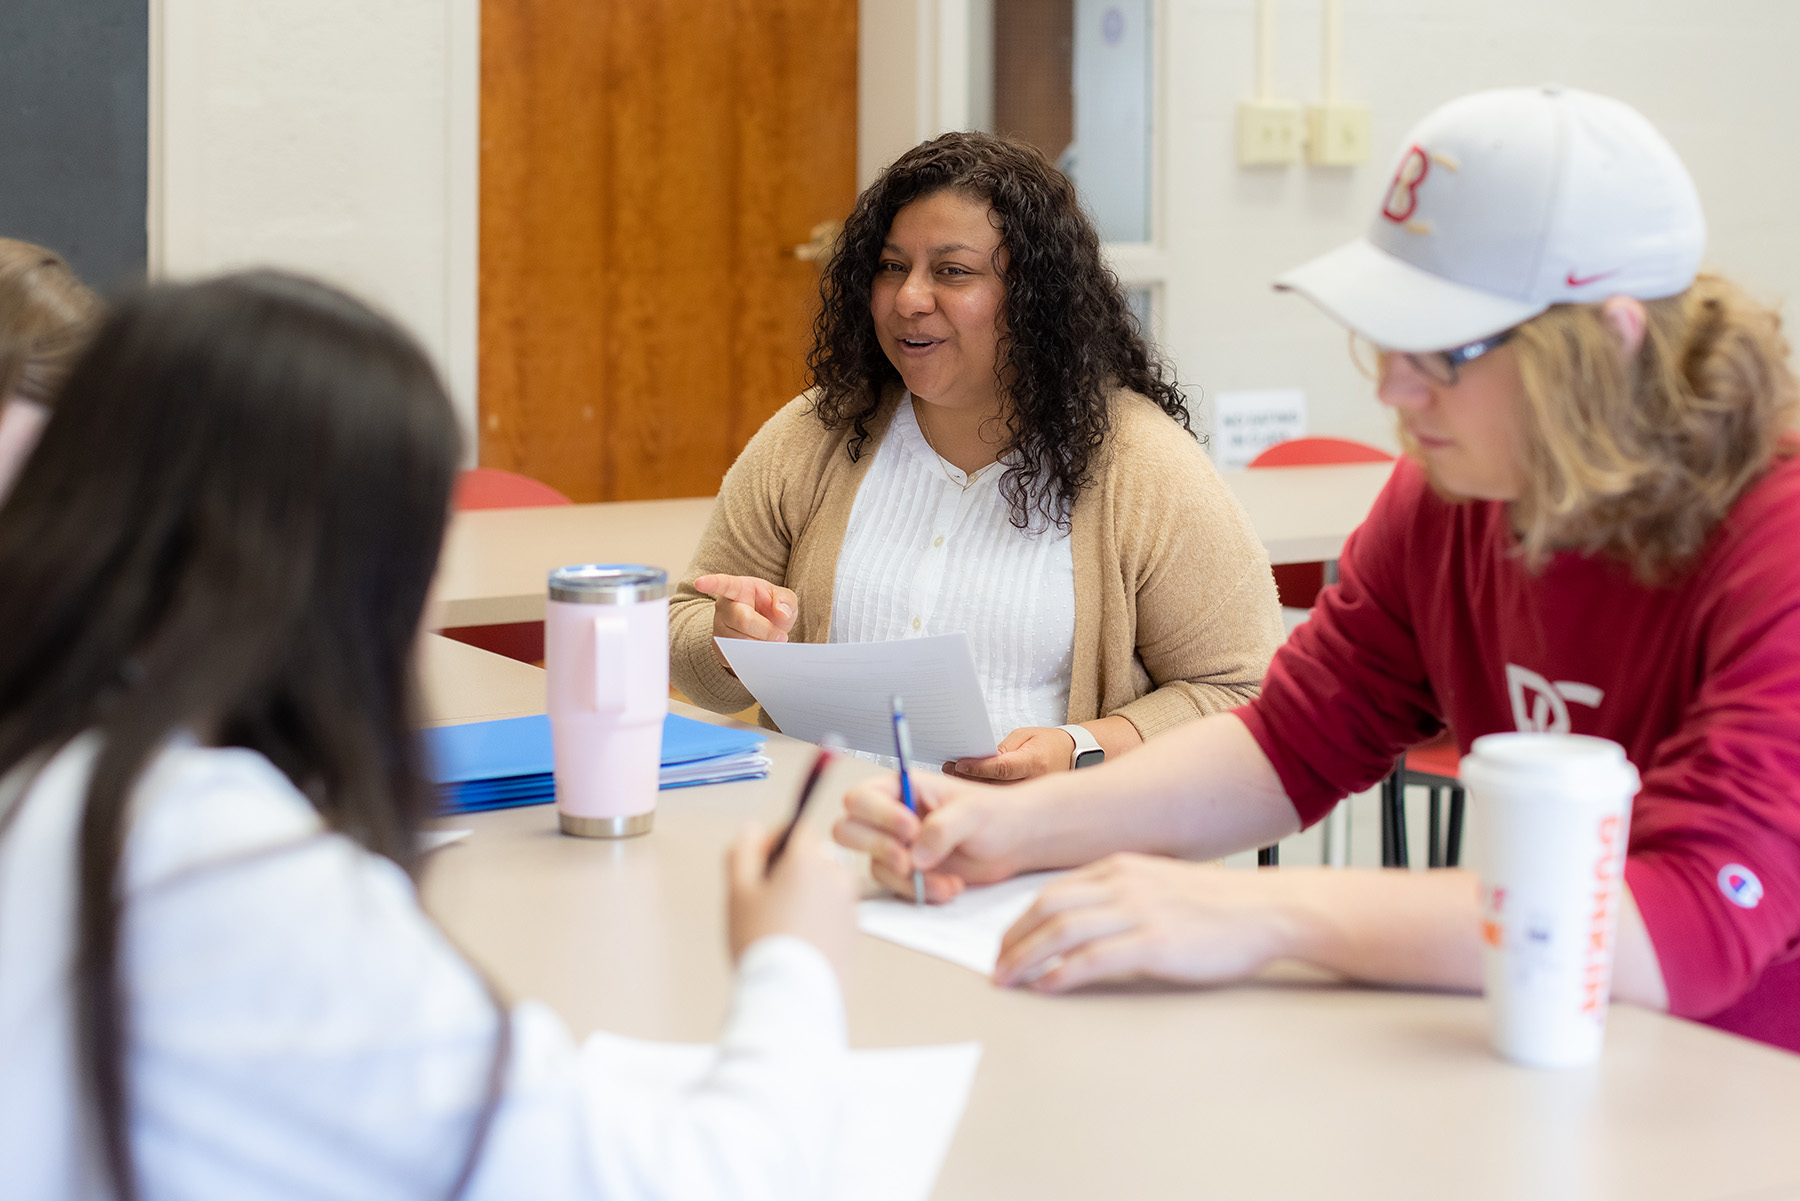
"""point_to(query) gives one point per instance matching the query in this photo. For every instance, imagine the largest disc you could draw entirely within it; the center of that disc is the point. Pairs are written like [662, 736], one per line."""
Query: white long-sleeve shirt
[299, 1028]
[929, 550]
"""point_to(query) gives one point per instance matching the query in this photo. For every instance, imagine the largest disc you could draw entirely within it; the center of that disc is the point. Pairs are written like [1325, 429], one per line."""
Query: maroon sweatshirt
[1436, 621]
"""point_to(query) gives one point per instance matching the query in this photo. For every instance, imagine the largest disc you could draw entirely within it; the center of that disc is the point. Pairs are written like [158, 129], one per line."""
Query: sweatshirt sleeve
[747, 535]
[302, 1029]
[1714, 860]
[1347, 692]
[755, 1117]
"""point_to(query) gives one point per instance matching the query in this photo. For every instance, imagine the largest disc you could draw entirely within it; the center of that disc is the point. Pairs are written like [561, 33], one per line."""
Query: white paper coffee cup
[1551, 815]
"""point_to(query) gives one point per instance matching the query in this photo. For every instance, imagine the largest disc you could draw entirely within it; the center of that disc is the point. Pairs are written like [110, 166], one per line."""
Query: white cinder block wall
[339, 137]
[334, 137]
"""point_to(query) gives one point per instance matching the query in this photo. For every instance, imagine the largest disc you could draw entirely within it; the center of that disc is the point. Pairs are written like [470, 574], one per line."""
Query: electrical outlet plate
[1337, 135]
[1268, 133]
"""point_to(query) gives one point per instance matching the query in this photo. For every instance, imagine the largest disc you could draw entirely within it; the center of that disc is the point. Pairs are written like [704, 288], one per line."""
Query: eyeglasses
[1441, 367]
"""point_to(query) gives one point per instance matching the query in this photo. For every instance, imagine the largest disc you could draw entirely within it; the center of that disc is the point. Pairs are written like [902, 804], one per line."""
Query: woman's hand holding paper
[963, 834]
[1024, 753]
[1033, 751]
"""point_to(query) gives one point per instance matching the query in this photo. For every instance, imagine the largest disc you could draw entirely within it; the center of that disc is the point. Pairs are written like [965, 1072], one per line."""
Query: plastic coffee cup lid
[1529, 755]
[608, 584]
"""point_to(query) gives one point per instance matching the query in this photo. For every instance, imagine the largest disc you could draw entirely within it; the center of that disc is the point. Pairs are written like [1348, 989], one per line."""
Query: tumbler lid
[608, 584]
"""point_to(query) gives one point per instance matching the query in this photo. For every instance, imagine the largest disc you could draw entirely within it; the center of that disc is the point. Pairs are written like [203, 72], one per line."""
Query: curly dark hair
[1070, 336]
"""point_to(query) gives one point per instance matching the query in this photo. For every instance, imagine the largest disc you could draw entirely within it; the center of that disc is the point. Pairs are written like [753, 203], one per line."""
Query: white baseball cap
[1504, 203]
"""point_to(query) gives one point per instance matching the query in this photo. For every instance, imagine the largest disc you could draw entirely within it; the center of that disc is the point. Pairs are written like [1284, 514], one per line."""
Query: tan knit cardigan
[1175, 609]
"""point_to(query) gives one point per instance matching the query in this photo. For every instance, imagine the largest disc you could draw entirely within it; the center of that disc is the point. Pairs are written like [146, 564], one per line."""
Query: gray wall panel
[74, 131]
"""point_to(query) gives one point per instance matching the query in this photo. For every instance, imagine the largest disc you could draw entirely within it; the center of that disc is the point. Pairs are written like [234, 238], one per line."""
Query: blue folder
[499, 764]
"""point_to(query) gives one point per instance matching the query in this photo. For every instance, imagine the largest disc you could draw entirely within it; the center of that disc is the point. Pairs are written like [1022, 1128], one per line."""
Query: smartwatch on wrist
[1088, 751]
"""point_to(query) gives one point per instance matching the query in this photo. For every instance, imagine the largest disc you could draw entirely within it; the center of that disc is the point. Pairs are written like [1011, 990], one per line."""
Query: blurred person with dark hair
[215, 976]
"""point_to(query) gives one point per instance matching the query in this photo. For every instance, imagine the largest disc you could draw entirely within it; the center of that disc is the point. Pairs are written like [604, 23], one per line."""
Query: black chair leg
[1401, 857]
[1393, 819]
[1395, 814]
[1268, 857]
[1453, 851]
[1434, 844]
[1387, 819]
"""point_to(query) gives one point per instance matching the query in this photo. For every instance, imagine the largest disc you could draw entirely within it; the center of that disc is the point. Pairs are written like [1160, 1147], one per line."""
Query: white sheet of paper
[965, 931]
[812, 689]
[916, 1094]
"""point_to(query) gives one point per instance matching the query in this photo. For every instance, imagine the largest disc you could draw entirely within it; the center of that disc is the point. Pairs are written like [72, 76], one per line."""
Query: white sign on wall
[1245, 423]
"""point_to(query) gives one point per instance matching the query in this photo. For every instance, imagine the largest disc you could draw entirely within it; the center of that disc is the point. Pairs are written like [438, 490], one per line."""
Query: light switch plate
[1337, 135]
[1268, 133]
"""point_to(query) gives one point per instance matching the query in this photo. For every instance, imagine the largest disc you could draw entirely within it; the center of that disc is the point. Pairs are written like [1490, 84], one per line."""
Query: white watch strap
[1085, 742]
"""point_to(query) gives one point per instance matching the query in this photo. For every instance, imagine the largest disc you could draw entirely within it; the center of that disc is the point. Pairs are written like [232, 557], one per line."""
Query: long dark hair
[228, 528]
[1070, 335]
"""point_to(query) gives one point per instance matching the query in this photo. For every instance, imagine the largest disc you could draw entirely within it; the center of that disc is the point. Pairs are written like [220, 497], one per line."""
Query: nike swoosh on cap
[1582, 281]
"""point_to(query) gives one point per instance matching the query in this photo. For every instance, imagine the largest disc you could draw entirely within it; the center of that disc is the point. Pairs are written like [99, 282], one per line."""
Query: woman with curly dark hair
[988, 446]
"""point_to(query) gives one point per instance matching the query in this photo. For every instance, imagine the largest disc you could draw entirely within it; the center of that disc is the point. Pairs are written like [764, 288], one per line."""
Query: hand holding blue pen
[903, 750]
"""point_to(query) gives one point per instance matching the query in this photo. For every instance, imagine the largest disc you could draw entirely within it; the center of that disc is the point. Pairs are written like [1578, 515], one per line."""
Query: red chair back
[1298, 584]
[1310, 452]
[492, 488]
[1439, 757]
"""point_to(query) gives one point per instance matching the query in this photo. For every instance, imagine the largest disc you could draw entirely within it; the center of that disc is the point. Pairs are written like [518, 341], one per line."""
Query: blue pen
[903, 749]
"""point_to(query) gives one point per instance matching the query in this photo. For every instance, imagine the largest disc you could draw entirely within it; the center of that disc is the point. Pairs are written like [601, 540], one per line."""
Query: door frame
[914, 65]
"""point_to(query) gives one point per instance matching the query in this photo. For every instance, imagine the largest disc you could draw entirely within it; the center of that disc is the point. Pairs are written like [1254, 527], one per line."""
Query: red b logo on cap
[1403, 193]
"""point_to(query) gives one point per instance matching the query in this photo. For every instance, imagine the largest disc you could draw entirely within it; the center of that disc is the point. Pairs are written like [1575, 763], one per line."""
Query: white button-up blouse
[932, 550]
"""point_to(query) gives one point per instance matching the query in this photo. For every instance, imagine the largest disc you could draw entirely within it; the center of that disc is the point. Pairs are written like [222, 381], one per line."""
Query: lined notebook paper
[966, 930]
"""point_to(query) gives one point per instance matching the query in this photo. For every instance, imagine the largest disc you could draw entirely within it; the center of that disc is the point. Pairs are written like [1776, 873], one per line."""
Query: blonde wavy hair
[1640, 460]
[46, 316]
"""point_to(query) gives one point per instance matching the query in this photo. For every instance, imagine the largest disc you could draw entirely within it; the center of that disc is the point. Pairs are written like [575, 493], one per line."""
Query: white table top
[1303, 514]
[1291, 1087]
[496, 560]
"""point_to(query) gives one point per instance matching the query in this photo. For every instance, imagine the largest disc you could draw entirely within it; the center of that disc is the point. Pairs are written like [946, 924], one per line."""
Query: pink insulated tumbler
[606, 645]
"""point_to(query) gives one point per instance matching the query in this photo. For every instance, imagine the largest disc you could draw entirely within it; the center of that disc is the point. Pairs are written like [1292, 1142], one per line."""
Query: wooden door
[647, 169]
[1034, 72]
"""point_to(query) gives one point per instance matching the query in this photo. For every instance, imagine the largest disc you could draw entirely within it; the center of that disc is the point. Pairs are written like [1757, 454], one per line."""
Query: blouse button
[915, 623]
[940, 541]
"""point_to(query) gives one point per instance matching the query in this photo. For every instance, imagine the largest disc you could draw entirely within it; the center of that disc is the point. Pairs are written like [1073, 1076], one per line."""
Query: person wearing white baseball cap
[1505, 203]
[1594, 530]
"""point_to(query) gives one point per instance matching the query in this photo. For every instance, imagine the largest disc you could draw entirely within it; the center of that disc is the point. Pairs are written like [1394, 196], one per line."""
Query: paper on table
[432, 840]
[715, 771]
[914, 1093]
[965, 931]
[812, 689]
